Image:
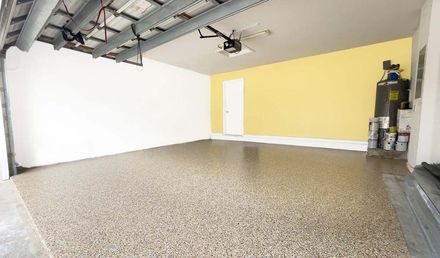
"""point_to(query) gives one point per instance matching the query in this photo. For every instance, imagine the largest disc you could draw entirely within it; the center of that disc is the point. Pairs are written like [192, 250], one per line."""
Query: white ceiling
[299, 28]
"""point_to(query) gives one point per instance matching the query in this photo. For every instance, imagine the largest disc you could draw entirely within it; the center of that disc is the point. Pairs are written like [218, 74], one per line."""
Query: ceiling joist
[19, 2]
[91, 23]
[26, 27]
[19, 19]
[14, 33]
[6, 15]
[154, 3]
[213, 15]
[167, 10]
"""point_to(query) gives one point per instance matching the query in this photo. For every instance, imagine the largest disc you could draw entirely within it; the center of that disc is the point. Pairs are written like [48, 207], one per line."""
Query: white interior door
[233, 110]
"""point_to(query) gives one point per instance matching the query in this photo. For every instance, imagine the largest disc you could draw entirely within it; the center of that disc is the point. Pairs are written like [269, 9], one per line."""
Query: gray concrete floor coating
[18, 235]
[216, 198]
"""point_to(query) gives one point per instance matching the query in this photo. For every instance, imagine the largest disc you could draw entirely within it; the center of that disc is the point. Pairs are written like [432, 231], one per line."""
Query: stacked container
[382, 135]
[404, 120]
[384, 126]
[373, 133]
[402, 141]
[390, 140]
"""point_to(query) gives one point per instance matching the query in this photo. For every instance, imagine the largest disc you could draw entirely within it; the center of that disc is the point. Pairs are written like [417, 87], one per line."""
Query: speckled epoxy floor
[215, 198]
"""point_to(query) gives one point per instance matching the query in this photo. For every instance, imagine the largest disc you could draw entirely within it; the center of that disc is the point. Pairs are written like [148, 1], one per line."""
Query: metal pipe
[6, 115]
[40, 13]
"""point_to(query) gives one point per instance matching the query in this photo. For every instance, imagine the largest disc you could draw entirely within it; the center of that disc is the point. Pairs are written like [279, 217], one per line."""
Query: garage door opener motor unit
[231, 45]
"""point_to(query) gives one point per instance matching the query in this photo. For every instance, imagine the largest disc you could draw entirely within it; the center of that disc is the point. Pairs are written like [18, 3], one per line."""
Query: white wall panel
[67, 106]
[425, 136]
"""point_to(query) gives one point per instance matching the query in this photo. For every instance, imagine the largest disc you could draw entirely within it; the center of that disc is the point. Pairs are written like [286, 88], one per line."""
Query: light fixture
[259, 34]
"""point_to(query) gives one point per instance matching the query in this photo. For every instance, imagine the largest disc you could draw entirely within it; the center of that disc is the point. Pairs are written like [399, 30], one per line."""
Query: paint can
[372, 144]
[387, 145]
[390, 137]
[401, 146]
[373, 135]
[403, 137]
[384, 122]
[380, 141]
[373, 124]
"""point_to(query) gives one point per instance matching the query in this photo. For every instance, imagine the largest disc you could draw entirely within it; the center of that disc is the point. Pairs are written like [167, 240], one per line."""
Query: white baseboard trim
[409, 167]
[296, 141]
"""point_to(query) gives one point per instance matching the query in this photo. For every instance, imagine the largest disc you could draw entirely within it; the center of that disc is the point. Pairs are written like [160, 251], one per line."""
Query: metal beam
[213, 15]
[19, 19]
[122, 14]
[91, 23]
[12, 34]
[154, 3]
[108, 19]
[214, 2]
[108, 8]
[82, 49]
[19, 2]
[39, 15]
[55, 27]
[6, 13]
[151, 20]
[88, 12]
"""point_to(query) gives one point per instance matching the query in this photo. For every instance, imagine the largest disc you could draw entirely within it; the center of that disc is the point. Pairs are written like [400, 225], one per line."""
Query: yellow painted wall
[328, 96]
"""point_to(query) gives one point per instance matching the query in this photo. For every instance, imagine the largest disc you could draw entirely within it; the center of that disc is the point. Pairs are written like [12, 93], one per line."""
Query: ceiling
[299, 28]
[115, 29]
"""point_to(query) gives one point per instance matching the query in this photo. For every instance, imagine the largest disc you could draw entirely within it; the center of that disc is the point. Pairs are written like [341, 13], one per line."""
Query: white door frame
[224, 104]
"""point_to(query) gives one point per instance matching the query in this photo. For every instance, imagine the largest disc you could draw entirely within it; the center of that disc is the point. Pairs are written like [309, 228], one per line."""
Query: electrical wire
[383, 75]
[105, 20]
[101, 10]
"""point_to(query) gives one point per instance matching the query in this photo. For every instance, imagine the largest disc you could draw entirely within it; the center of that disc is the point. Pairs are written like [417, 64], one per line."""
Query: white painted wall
[425, 139]
[435, 80]
[67, 106]
[420, 39]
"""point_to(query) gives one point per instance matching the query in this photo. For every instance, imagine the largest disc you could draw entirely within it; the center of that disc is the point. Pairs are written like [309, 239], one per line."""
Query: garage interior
[238, 128]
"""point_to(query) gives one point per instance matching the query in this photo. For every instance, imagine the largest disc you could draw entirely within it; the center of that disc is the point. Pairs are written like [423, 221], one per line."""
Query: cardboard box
[404, 120]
